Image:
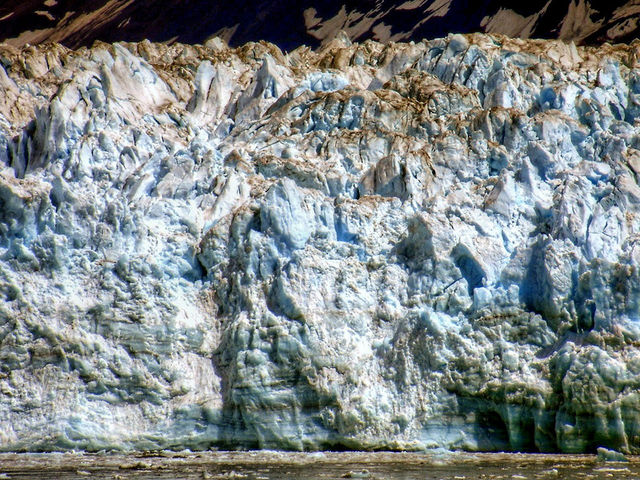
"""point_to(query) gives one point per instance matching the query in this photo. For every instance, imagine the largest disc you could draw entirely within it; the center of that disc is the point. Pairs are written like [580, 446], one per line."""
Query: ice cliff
[400, 246]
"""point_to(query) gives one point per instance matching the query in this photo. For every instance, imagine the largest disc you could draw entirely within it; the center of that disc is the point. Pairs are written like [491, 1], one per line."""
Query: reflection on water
[308, 466]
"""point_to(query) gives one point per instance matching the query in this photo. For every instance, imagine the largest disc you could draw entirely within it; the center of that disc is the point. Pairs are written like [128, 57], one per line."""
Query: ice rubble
[369, 246]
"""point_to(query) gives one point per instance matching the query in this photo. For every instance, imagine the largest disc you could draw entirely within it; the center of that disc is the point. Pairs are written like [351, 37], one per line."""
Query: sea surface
[267, 465]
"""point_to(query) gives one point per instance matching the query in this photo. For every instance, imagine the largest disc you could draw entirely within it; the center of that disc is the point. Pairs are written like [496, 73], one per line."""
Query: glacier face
[368, 246]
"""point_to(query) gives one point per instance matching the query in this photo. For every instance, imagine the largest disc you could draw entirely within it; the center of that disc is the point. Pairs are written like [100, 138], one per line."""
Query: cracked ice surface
[398, 246]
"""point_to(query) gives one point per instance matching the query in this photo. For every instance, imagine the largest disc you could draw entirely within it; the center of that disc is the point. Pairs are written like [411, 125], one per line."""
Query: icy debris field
[270, 465]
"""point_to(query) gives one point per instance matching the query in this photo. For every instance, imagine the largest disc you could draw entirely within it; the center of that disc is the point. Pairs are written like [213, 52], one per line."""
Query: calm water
[308, 466]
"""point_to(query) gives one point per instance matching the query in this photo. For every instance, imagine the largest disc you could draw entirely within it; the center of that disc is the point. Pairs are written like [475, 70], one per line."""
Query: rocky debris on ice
[402, 246]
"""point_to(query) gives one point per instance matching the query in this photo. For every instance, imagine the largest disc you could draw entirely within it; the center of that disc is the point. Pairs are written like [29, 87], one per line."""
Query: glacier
[370, 246]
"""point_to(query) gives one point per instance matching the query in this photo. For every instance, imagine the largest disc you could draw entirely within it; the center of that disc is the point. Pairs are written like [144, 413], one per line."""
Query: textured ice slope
[367, 246]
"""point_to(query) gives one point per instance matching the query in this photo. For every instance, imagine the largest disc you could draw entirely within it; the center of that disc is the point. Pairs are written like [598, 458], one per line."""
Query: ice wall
[370, 246]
